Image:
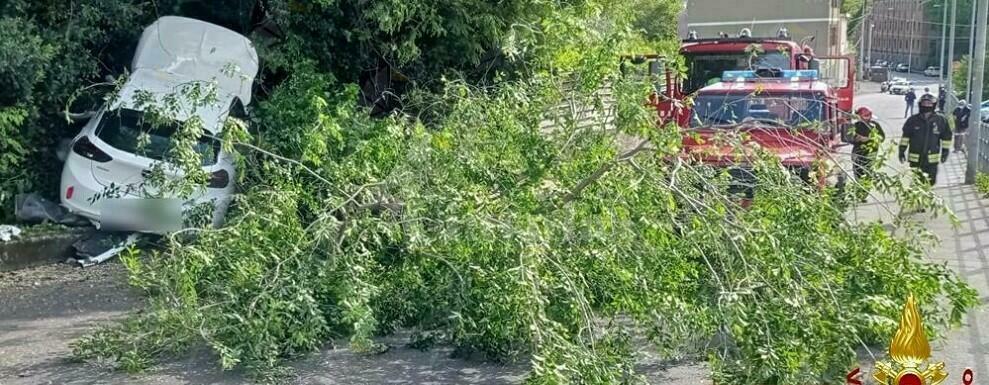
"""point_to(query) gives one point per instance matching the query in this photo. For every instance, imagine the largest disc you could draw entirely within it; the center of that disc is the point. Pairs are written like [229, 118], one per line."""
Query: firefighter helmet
[864, 112]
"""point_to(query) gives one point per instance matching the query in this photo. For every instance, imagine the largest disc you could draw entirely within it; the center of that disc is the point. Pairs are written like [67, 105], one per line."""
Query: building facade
[901, 33]
[820, 19]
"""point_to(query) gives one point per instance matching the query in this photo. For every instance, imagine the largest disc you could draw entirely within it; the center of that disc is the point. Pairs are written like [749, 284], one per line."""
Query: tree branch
[597, 174]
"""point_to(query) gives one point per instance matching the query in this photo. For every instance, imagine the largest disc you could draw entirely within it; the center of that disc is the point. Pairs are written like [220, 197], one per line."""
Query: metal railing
[982, 150]
[596, 111]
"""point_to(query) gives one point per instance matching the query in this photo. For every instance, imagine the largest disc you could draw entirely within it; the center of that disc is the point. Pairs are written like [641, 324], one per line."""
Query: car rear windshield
[122, 129]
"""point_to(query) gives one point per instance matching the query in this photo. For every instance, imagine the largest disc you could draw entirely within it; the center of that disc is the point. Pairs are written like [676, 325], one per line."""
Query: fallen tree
[481, 230]
[462, 219]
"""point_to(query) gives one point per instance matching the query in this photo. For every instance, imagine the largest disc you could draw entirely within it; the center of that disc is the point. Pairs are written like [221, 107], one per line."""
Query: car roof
[160, 84]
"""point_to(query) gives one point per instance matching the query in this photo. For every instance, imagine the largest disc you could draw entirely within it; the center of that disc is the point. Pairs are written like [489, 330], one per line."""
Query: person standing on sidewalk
[942, 97]
[962, 113]
[910, 97]
[926, 140]
[865, 142]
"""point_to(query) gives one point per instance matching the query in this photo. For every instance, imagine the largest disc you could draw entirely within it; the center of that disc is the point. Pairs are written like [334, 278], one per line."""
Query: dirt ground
[43, 309]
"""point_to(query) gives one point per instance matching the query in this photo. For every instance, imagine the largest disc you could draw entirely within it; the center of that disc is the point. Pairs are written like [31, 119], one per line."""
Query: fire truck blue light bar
[738, 76]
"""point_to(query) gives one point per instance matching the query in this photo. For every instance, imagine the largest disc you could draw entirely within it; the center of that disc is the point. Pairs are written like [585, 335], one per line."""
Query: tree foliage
[560, 248]
[47, 54]
[934, 14]
[53, 53]
[960, 79]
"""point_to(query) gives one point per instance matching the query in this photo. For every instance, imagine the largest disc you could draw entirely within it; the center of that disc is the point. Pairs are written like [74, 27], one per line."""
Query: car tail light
[89, 150]
[69, 191]
[219, 179]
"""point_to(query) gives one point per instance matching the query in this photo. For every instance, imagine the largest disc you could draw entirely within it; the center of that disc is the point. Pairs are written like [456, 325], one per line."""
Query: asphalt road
[43, 309]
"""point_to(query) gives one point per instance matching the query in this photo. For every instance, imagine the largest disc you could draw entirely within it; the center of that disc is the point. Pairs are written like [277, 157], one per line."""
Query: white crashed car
[118, 148]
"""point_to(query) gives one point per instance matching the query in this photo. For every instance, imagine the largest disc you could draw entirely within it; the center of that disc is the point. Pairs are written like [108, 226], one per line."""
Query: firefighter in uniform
[866, 139]
[926, 140]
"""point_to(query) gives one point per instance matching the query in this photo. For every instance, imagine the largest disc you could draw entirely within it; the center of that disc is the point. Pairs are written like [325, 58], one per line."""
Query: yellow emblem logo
[910, 352]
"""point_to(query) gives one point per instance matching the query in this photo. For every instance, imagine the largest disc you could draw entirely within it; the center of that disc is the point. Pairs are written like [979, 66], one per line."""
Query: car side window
[238, 111]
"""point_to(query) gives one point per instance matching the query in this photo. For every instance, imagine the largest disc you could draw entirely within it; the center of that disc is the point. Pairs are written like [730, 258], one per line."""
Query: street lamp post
[974, 144]
[872, 29]
[865, 19]
[971, 49]
[951, 58]
[944, 34]
[863, 60]
[913, 30]
[911, 41]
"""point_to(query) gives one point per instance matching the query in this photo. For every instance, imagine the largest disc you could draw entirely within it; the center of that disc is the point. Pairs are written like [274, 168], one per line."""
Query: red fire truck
[706, 59]
[792, 114]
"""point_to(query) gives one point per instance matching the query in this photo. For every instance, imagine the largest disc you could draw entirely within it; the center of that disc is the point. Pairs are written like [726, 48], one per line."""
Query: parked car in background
[882, 63]
[932, 71]
[902, 67]
[878, 74]
[884, 86]
[900, 87]
[984, 108]
[119, 147]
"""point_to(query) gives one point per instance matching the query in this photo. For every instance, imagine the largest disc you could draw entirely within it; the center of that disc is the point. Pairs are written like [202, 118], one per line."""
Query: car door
[121, 175]
[836, 71]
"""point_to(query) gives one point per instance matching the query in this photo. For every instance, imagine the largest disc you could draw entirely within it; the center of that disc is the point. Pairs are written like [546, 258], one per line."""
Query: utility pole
[910, 40]
[950, 87]
[872, 31]
[979, 62]
[971, 49]
[861, 50]
[944, 34]
[682, 29]
[863, 66]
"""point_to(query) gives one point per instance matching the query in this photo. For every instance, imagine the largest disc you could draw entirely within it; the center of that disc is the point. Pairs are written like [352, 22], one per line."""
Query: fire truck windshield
[801, 110]
[704, 68]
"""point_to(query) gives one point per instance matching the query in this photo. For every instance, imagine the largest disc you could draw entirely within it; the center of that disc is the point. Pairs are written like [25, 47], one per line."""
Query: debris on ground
[8, 232]
[33, 208]
[102, 246]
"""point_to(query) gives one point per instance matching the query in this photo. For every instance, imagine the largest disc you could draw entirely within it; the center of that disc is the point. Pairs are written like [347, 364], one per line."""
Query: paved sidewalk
[963, 248]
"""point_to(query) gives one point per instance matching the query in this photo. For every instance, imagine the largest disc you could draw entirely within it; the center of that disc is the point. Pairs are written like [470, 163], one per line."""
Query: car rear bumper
[78, 190]
[82, 194]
